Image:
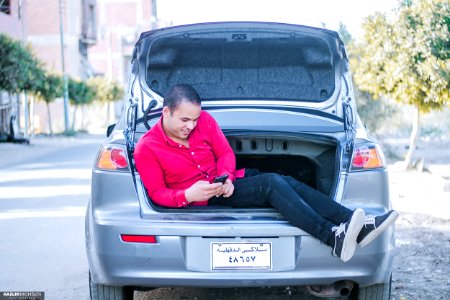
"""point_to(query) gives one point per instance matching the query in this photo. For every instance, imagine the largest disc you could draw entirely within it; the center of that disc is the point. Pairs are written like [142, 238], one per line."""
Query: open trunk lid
[251, 66]
[246, 61]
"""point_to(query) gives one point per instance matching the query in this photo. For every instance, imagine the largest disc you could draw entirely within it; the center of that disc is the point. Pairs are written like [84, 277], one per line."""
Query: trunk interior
[313, 162]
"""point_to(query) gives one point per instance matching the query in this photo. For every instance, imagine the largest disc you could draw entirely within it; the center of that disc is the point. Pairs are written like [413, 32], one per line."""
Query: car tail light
[367, 157]
[112, 158]
[148, 239]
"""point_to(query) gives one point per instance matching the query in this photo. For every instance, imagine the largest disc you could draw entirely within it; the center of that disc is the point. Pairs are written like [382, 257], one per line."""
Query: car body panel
[169, 263]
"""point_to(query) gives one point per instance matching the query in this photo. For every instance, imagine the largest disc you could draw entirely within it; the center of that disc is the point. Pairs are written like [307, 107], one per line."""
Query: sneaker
[345, 235]
[374, 225]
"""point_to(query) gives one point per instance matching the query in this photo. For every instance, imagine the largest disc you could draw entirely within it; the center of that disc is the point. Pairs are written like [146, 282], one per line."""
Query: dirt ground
[422, 267]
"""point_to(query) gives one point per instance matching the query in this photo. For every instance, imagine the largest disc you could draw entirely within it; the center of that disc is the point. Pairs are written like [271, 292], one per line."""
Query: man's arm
[152, 176]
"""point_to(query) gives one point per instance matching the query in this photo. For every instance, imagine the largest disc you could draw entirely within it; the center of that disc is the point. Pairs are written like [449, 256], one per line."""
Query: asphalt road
[44, 190]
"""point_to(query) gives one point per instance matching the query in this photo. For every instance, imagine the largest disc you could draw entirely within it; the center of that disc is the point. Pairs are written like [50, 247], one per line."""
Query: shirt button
[198, 166]
[180, 146]
[192, 153]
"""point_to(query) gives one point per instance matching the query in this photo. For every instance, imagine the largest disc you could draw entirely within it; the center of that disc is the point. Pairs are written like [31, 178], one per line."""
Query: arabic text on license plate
[241, 256]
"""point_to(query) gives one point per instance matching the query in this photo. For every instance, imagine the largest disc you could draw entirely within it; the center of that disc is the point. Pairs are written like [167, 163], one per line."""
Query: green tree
[373, 112]
[106, 91]
[80, 93]
[19, 69]
[406, 58]
[49, 88]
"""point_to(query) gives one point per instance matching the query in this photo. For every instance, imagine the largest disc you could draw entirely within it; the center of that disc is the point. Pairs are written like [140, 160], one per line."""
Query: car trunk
[312, 161]
[274, 90]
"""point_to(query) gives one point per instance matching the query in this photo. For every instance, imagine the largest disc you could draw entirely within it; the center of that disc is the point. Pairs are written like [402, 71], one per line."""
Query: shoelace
[338, 229]
[370, 220]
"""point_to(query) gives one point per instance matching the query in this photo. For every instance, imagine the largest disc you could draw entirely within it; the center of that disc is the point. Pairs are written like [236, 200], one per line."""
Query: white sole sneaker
[353, 229]
[376, 232]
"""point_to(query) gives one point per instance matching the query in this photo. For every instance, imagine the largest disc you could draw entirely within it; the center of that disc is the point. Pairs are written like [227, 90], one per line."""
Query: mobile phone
[221, 179]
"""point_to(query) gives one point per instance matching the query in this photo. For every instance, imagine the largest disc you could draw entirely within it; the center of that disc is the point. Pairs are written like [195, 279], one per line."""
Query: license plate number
[244, 256]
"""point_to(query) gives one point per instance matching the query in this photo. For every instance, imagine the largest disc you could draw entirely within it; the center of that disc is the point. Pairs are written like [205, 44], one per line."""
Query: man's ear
[165, 111]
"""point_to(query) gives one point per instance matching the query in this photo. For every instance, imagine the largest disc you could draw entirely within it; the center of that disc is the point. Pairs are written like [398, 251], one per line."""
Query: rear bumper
[175, 261]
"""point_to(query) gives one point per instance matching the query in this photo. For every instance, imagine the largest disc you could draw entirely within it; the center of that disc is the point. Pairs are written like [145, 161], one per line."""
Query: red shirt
[168, 168]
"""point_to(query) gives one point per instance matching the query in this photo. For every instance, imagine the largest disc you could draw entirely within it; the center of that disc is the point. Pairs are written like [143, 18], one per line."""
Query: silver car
[283, 96]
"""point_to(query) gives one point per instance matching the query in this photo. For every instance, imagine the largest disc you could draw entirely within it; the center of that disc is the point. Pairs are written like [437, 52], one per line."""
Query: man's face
[179, 123]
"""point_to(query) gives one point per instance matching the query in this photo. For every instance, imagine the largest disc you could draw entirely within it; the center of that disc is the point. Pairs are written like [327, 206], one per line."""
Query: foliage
[80, 93]
[373, 112]
[20, 71]
[50, 87]
[407, 58]
[105, 90]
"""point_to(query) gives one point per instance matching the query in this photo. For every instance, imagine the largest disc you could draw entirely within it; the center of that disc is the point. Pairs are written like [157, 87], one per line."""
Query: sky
[311, 13]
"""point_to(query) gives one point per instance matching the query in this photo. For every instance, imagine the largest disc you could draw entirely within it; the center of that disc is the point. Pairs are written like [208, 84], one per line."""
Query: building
[120, 22]
[10, 18]
[99, 36]
[79, 29]
[38, 22]
[45, 19]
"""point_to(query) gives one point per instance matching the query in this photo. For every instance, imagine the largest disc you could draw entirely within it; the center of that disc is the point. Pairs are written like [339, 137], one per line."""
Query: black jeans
[301, 205]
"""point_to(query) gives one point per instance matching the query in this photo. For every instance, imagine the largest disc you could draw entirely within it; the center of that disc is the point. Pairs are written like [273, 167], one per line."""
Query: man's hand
[202, 191]
[227, 188]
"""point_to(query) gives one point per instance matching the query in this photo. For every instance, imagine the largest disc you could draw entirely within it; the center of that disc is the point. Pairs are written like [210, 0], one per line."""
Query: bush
[20, 71]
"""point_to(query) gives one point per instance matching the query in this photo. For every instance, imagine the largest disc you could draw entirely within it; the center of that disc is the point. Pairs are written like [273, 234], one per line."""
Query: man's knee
[291, 180]
[274, 179]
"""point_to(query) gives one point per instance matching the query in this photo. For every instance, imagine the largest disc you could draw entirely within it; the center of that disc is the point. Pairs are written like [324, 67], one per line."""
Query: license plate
[244, 256]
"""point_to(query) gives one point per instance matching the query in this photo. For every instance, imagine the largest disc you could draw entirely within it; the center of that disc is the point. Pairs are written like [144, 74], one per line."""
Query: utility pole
[66, 85]
[26, 113]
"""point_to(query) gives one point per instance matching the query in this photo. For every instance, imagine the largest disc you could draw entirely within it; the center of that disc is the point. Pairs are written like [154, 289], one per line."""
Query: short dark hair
[179, 93]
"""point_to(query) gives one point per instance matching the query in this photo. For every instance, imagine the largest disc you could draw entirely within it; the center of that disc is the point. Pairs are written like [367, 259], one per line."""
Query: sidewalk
[11, 153]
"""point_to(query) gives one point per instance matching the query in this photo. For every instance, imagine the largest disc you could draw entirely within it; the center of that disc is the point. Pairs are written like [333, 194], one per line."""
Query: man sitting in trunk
[179, 158]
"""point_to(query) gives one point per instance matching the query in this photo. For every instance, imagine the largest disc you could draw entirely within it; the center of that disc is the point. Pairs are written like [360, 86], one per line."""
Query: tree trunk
[11, 118]
[83, 119]
[108, 113]
[415, 133]
[74, 114]
[49, 119]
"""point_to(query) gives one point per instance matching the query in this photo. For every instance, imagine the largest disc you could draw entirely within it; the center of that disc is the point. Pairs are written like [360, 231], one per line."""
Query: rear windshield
[245, 67]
